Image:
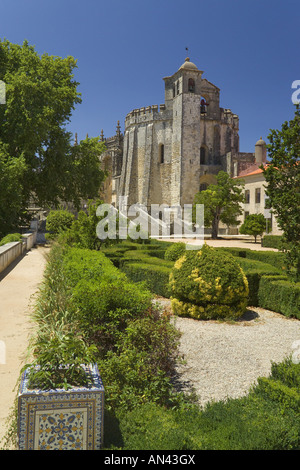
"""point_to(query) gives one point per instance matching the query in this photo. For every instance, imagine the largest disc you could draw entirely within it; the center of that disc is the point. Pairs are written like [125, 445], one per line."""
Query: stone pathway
[17, 285]
[227, 243]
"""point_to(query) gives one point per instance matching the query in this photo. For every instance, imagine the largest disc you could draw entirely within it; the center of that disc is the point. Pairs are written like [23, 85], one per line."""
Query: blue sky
[248, 48]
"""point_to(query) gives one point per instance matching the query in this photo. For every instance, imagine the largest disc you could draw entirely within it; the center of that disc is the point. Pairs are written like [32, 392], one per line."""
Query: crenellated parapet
[228, 117]
[146, 114]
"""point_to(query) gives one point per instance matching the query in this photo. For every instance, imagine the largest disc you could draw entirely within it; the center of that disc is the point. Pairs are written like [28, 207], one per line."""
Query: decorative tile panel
[60, 419]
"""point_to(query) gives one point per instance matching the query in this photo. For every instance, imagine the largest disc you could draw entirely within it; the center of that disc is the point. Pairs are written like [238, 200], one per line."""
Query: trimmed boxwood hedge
[272, 241]
[278, 294]
[275, 258]
[141, 264]
[158, 253]
[117, 253]
[156, 277]
[266, 419]
[254, 270]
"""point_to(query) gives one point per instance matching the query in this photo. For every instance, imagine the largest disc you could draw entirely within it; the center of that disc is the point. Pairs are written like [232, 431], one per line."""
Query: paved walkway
[17, 285]
[223, 242]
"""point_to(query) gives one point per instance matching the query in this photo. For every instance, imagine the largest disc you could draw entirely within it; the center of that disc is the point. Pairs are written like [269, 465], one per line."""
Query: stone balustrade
[11, 251]
[30, 239]
[8, 253]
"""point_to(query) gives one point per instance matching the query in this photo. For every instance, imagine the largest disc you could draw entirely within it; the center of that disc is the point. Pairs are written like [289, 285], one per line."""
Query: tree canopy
[222, 202]
[255, 224]
[283, 184]
[41, 94]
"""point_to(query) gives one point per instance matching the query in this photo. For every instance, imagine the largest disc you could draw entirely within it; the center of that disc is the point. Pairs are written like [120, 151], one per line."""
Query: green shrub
[208, 284]
[286, 397]
[116, 253]
[266, 419]
[272, 241]
[158, 253]
[280, 295]
[282, 387]
[153, 427]
[80, 263]
[175, 251]
[142, 256]
[59, 358]
[254, 271]
[240, 252]
[287, 372]
[275, 258]
[129, 382]
[56, 341]
[129, 250]
[155, 277]
[103, 309]
[155, 335]
[141, 368]
[59, 221]
[12, 237]
[248, 423]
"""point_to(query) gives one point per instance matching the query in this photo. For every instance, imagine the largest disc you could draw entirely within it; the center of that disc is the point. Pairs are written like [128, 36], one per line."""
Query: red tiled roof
[253, 170]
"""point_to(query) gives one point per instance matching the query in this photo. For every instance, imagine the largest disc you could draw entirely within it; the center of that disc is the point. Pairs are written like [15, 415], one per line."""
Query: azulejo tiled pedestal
[60, 419]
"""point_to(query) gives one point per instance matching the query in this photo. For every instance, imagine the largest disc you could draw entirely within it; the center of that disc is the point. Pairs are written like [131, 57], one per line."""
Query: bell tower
[183, 96]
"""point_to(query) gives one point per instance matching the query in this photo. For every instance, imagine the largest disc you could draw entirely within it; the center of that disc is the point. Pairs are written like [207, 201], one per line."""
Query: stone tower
[172, 151]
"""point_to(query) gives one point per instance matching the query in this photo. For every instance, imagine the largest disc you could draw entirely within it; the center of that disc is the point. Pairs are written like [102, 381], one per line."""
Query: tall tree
[41, 94]
[11, 199]
[222, 202]
[283, 186]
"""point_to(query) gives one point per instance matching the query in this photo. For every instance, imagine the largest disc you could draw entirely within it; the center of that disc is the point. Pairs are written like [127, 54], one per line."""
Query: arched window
[203, 187]
[202, 156]
[191, 85]
[161, 153]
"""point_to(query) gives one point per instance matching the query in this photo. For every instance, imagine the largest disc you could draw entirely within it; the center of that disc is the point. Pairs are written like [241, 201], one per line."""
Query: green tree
[283, 186]
[41, 94]
[86, 173]
[58, 221]
[11, 198]
[82, 232]
[255, 224]
[222, 202]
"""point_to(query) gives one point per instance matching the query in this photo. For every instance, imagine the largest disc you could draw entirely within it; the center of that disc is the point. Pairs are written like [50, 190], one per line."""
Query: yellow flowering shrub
[208, 284]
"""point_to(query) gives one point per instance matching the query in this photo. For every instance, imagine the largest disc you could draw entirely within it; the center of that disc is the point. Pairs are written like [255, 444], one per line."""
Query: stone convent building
[169, 152]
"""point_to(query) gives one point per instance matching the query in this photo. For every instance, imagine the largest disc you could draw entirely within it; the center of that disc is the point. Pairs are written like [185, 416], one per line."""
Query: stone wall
[9, 253]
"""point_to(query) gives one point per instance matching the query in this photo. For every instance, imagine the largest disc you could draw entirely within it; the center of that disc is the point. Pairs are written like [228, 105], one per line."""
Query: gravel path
[224, 359]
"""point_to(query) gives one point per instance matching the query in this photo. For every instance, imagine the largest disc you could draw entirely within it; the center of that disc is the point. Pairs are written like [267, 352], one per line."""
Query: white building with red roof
[255, 189]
